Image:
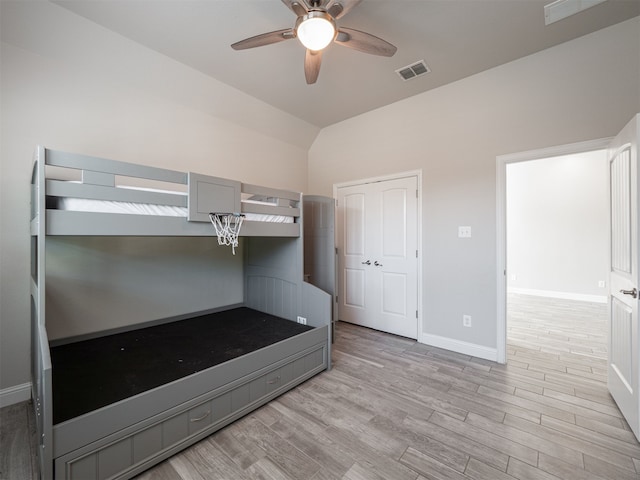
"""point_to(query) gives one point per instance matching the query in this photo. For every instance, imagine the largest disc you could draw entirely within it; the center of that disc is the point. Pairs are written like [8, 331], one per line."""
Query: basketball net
[227, 227]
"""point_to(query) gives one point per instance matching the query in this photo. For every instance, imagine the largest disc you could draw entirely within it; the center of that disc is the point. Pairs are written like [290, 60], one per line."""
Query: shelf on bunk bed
[91, 374]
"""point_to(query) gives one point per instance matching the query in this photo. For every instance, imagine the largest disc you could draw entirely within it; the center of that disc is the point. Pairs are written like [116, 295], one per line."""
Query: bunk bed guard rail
[94, 196]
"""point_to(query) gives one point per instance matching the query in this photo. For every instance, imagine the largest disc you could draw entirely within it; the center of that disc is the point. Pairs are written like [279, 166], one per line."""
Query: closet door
[377, 248]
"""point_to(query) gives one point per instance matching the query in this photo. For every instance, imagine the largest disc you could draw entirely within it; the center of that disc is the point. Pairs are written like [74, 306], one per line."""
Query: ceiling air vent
[413, 70]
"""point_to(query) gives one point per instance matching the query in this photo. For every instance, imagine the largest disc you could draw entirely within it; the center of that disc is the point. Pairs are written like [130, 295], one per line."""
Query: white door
[623, 371]
[377, 255]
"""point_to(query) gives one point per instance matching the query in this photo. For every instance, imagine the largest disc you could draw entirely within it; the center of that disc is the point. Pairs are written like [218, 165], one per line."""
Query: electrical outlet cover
[464, 232]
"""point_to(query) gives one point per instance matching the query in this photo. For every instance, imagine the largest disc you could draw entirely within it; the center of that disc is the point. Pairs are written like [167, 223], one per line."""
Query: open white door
[624, 368]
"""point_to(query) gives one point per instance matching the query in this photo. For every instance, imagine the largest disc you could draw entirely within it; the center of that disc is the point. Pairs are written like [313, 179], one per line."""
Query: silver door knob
[368, 262]
[377, 264]
[633, 292]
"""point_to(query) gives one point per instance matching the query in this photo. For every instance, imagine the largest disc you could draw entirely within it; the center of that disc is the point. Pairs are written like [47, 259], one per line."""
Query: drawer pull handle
[200, 418]
[273, 380]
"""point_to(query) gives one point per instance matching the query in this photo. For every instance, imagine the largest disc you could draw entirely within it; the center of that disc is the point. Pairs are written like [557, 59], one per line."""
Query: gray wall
[557, 226]
[585, 89]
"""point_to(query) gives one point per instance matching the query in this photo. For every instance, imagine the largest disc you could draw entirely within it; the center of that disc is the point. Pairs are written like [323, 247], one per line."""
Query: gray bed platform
[122, 439]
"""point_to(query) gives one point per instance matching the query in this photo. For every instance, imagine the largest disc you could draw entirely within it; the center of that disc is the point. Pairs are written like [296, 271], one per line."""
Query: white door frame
[383, 178]
[501, 222]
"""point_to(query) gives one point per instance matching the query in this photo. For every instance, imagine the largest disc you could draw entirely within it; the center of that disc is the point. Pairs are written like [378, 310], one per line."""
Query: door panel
[624, 370]
[354, 287]
[622, 349]
[399, 234]
[394, 231]
[621, 212]
[351, 292]
[354, 239]
[352, 297]
[394, 293]
[378, 223]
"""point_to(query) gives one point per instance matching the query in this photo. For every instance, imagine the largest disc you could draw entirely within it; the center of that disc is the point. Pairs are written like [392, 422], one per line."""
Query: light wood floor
[395, 409]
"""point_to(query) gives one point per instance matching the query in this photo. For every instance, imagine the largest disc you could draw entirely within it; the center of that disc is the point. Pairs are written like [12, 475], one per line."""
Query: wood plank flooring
[392, 408]
[18, 443]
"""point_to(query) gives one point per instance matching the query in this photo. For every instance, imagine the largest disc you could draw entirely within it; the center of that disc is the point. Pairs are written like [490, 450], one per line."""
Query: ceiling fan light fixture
[316, 30]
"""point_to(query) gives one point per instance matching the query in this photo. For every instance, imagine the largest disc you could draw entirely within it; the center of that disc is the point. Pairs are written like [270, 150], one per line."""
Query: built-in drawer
[119, 456]
[125, 457]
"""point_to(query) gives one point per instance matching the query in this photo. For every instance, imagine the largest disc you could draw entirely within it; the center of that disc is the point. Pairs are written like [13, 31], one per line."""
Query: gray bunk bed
[276, 337]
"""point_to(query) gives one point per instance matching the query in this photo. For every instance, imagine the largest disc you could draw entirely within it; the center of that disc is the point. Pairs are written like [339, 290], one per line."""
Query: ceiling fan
[316, 28]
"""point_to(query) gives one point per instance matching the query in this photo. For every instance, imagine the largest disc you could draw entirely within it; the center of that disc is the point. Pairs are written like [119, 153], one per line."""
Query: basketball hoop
[227, 227]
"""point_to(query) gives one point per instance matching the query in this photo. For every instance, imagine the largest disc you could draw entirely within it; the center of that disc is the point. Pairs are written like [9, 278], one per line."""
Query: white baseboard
[563, 295]
[459, 346]
[15, 394]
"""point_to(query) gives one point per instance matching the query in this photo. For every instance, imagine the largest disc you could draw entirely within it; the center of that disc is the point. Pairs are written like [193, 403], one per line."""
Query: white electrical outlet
[514, 277]
[601, 284]
[464, 232]
[466, 320]
[302, 320]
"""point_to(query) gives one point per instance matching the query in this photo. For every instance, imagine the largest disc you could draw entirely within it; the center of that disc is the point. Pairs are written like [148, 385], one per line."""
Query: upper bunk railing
[194, 196]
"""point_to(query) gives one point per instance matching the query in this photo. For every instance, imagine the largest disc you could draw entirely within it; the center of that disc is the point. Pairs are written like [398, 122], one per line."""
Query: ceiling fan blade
[312, 61]
[264, 39]
[299, 8]
[340, 8]
[364, 42]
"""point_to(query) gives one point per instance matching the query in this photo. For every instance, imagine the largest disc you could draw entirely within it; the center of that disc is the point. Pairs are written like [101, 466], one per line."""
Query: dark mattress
[94, 373]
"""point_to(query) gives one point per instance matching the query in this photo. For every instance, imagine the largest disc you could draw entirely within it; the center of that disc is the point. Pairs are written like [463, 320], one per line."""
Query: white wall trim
[501, 222]
[382, 178]
[459, 346]
[15, 394]
[557, 151]
[562, 295]
[395, 176]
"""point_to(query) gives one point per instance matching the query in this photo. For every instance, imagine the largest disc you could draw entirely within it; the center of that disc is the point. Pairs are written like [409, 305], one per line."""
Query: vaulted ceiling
[456, 39]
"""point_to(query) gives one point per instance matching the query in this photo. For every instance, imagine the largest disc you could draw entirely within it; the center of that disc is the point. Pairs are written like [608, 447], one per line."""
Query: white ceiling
[456, 38]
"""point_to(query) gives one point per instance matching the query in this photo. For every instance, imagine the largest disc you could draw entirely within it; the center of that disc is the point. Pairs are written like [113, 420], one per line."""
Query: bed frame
[122, 439]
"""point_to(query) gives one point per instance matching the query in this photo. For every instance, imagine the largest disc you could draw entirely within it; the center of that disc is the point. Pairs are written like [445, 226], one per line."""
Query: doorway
[557, 264]
[620, 390]
[378, 238]
[504, 278]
